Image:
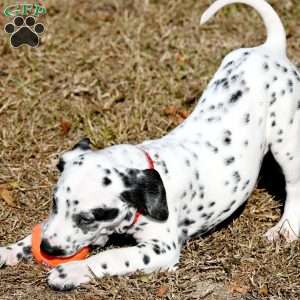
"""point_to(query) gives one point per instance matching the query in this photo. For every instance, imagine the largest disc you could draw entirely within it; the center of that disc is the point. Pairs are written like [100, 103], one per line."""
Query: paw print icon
[24, 32]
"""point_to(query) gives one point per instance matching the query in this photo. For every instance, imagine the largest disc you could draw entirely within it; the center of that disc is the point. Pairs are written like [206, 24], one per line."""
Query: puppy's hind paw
[281, 230]
[8, 256]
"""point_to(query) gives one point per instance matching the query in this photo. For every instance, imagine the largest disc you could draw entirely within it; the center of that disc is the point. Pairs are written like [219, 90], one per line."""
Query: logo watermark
[24, 28]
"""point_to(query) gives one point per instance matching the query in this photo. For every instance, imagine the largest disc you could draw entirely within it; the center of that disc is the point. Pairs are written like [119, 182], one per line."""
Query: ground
[122, 72]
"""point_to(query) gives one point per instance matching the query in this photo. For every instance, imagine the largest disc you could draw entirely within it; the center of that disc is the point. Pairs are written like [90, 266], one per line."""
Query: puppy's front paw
[9, 256]
[68, 276]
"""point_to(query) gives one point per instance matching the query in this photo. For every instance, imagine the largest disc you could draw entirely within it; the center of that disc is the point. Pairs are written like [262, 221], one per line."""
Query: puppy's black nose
[48, 249]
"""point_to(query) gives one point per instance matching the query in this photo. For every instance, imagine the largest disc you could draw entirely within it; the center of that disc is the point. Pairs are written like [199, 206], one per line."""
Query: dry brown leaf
[238, 287]
[6, 195]
[163, 290]
[65, 127]
[183, 113]
[170, 110]
[264, 291]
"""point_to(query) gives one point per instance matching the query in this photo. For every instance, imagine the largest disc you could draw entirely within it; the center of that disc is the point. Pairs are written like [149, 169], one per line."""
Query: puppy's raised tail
[276, 37]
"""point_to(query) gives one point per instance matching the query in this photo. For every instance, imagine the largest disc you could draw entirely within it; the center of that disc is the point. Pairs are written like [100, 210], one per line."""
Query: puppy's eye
[85, 220]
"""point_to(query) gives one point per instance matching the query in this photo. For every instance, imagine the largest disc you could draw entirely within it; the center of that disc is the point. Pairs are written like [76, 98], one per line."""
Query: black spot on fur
[104, 266]
[229, 160]
[186, 222]
[200, 207]
[247, 118]
[227, 140]
[236, 96]
[146, 259]
[27, 250]
[266, 67]
[106, 181]
[214, 149]
[245, 185]
[222, 82]
[237, 176]
[228, 64]
[156, 249]
[54, 205]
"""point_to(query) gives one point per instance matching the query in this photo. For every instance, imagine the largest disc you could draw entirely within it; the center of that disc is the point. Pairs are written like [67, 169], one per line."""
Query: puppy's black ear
[83, 144]
[146, 193]
[81, 147]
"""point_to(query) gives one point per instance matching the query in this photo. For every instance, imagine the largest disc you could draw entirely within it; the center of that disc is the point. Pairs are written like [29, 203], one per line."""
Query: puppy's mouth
[65, 254]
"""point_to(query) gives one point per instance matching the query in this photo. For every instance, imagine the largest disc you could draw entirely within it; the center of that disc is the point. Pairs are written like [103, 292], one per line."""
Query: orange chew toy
[52, 261]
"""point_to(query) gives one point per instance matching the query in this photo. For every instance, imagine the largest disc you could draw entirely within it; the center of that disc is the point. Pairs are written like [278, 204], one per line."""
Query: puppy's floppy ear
[84, 145]
[146, 193]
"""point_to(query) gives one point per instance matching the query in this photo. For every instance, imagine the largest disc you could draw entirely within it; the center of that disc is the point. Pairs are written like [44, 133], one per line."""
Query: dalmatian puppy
[165, 191]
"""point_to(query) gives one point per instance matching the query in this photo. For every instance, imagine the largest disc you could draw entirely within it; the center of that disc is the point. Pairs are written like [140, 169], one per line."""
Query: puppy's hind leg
[12, 254]
[286, 150]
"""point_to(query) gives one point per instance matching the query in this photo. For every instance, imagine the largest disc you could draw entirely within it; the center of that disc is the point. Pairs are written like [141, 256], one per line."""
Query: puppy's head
[94, 195]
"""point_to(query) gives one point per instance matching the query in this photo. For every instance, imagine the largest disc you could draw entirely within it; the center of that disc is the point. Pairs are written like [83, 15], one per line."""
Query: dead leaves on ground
[162, 291]
[6, 194]
[65, 127]
[177, 115]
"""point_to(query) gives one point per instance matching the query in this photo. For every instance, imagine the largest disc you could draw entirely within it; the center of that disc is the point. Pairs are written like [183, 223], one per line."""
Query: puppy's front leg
[145, 257]
[13, 253]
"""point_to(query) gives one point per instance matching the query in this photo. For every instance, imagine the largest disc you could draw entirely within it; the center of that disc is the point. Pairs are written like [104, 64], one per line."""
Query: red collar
[138, 214]
[149, 159]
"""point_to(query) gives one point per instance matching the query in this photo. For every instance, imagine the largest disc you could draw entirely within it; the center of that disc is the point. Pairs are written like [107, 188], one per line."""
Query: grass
[111, 70]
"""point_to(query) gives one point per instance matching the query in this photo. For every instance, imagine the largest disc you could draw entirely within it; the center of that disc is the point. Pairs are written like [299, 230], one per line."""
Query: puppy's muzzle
[50, 250]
